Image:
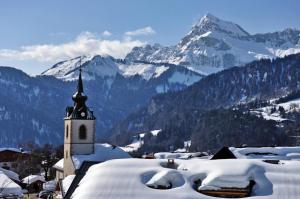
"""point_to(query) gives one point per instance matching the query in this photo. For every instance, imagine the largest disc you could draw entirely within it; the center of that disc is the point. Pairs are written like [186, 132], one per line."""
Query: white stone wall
[73, 145]
[90, 129]
[69, 168]
[59, 175]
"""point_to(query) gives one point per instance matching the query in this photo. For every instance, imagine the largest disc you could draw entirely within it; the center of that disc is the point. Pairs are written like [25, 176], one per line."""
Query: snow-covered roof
[59, 165]
[9, 187]
[67, 181]
[134, 146]
[179, 155]
[50, 185]
[128, 178]
[12, 175]
[274, 153]
[12, 149]
[33, 178]
[102, 153]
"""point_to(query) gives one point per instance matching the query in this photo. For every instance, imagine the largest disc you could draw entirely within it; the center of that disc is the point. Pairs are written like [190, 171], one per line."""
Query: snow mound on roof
[102, 153]
[166, 178]
[59, 165]
[275, 153]
[9, 187]
[127, 178]
[12, 175]
[33, 178]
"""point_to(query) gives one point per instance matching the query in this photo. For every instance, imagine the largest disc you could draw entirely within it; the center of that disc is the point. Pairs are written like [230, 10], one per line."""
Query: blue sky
[35, 34]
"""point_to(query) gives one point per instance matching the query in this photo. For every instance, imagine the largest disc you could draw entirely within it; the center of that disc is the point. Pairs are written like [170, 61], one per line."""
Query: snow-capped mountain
[109, 67]
[214, 44]
[209, 105]
[94, 66]
[32, 108]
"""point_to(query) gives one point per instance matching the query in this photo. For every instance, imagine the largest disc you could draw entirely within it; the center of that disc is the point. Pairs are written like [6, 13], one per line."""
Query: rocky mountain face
[182, 111]
[32, 108]
[214, 44]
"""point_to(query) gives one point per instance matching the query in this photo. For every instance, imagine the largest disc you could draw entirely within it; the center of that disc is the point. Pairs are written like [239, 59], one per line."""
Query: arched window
[82, 132]
[66, 154]
[67, 131]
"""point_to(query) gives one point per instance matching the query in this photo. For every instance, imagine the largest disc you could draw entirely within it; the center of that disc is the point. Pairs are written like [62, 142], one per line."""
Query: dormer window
[82, 132]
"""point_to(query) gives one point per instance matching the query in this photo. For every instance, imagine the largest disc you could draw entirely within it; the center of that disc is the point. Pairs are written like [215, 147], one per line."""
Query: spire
[79, 98]
[79, 110]
[79, 84]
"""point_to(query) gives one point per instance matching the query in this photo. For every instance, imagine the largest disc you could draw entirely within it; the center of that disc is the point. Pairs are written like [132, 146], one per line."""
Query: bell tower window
[82, 132]
[67, 131]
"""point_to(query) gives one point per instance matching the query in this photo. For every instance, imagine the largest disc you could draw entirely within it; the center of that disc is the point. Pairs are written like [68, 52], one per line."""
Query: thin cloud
[85, 43]
[58, 34]
[142, 31]
[106, 33]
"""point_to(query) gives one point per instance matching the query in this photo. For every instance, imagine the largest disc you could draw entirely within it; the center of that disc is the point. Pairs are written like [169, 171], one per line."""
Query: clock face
[82, 114]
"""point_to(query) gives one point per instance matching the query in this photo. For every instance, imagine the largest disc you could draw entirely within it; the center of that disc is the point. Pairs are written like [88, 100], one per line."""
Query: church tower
[79, 136]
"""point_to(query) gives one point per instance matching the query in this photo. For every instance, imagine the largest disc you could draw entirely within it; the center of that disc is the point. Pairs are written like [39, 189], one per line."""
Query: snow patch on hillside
[272, 112]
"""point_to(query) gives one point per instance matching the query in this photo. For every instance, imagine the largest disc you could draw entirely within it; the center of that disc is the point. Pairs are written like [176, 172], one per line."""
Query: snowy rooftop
[59, 165]
[128, 179]
[67, 181]
[275, 153]
[12, 149]
[180, 155]
[9, 187]
[12, 175]
[33, 178]
[50, 185]
[103, 152]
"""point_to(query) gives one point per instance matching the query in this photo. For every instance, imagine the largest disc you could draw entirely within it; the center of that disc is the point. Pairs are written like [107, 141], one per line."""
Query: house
[33, 183]
[59, 169]
[9, 157]
[264, 153]
[12, 175]
[8, 188]
[267, 153]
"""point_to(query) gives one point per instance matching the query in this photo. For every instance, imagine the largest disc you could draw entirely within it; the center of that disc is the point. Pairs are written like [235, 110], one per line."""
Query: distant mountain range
[214, 44]
[181, 115]
[32, 108]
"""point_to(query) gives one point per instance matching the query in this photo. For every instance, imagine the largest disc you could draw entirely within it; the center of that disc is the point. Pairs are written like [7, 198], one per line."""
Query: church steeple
[79, 110]
[80, 128]
[79, 97]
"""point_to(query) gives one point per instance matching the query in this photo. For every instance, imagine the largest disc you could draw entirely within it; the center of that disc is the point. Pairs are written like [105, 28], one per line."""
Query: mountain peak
[212, 23]
[208, 18]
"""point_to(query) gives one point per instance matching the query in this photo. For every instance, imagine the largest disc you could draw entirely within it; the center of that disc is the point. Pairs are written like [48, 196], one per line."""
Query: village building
[79, 137]
[59, 169]
[9, 187]
[33, 183]
[9, 157]
[263, 153]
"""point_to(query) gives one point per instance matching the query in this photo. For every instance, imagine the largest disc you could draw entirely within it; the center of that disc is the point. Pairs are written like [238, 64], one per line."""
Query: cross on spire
[79, 84]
